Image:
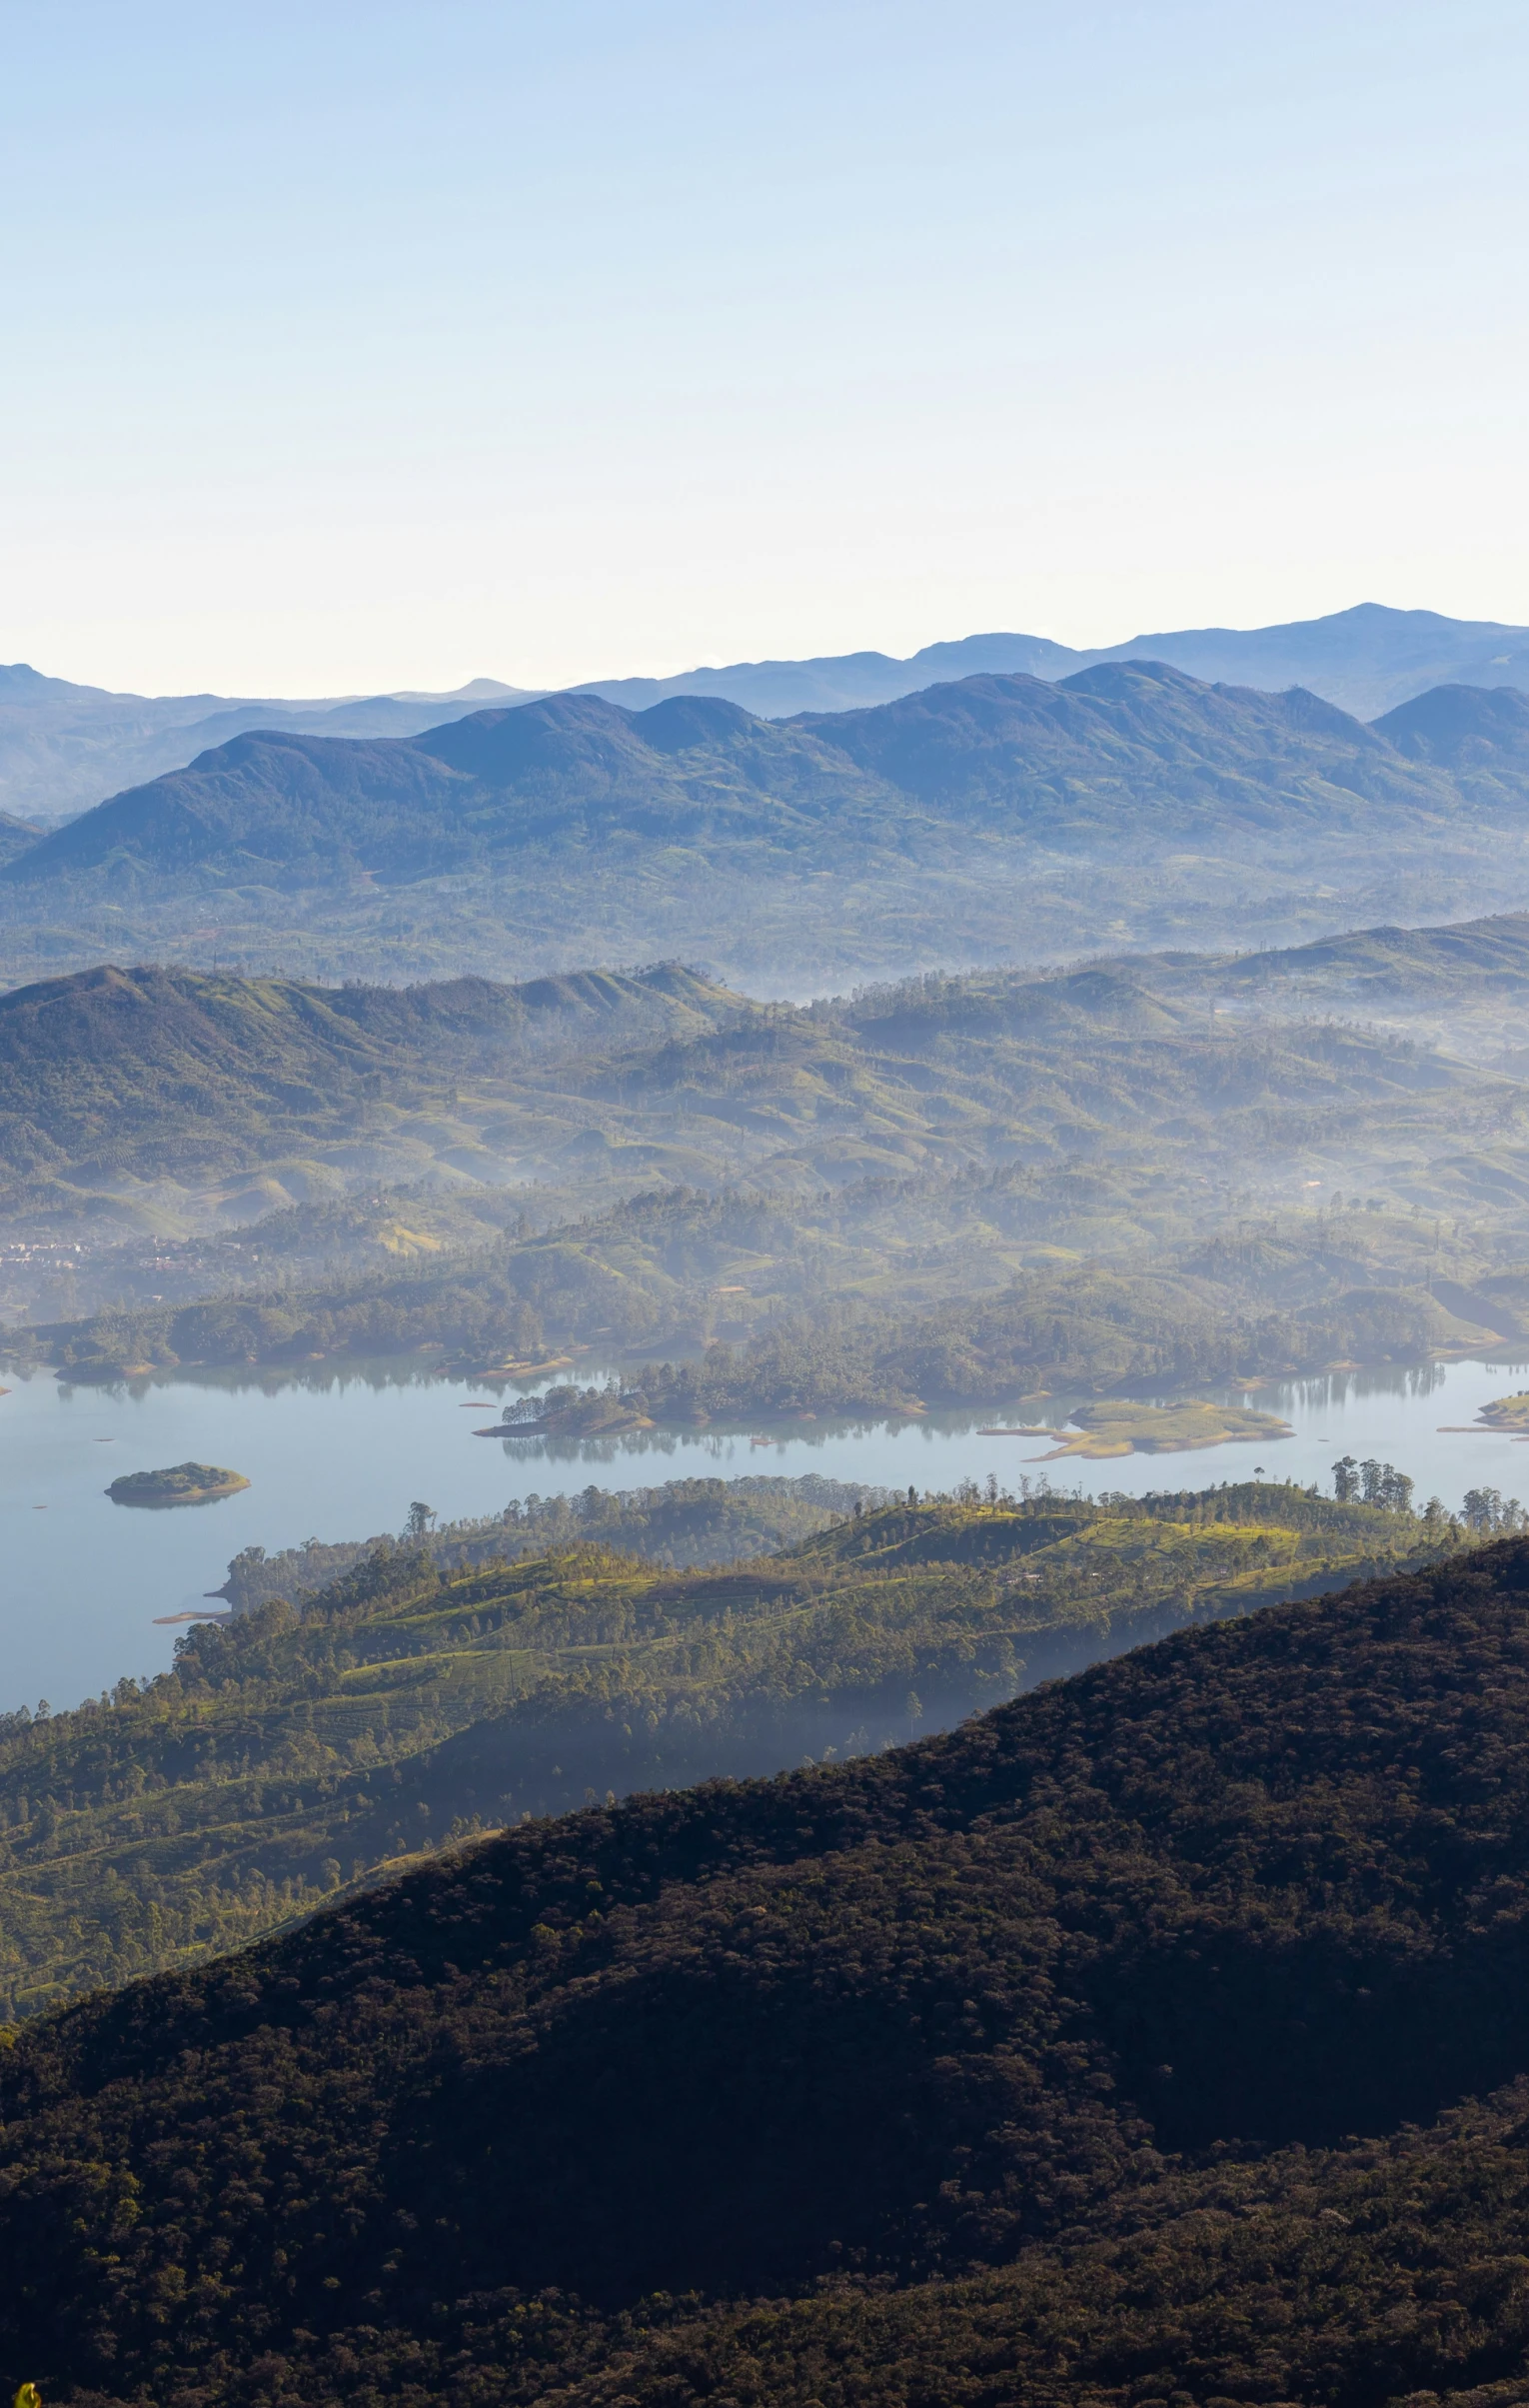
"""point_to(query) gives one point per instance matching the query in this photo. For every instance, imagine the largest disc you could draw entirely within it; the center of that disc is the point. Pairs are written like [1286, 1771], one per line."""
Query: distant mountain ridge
[1120, 754]
[63, 747]
[1366, 660]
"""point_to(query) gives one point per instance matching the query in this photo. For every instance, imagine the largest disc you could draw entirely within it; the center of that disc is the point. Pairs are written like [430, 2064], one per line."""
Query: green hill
[1117, 2046]
[424, 1693]
[1106, 1106]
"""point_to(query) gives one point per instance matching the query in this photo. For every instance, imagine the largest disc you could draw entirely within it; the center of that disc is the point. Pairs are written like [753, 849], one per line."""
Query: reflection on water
[340, 1452]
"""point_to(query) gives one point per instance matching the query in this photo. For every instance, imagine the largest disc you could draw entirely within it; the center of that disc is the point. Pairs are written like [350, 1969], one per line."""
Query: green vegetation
[432, 1688]
[1506, 1412]
[682, 1525]
[179, 1484]
[1136, 2041]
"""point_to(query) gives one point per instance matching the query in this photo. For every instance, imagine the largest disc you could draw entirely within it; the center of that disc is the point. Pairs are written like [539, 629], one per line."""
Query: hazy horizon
[644, 668]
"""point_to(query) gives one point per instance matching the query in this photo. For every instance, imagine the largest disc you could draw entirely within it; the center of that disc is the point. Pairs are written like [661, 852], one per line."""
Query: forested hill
[1088, 763]
[1024, 2063]
[186, 1074]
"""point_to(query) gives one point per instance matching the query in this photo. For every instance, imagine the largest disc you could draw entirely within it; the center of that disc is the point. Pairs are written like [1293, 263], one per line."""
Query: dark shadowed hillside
[1069, 1993]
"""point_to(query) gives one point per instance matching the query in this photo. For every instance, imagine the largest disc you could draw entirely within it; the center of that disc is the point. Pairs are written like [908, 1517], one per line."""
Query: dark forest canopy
[1119, 2046]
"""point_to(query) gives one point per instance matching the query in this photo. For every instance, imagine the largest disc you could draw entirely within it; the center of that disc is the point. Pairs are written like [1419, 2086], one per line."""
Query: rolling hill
[165, 1097]
[398, 1698]
[1135, 2041]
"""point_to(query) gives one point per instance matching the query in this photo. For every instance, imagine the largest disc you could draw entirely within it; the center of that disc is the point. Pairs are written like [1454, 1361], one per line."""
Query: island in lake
[180, 1485]
[1113, 1428]
[570, 1413]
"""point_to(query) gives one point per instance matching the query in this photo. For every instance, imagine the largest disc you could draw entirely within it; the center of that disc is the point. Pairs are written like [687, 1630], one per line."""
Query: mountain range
[1123, 755]
[63, 747]
[995, 818]
[1366, 660]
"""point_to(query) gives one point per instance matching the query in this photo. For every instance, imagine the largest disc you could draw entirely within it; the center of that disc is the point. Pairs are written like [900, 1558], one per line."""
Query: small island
[1115, 1428]
[180, 1485]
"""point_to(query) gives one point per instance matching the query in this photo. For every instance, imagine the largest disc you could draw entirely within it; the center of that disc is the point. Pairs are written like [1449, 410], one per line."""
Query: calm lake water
[82, 1579]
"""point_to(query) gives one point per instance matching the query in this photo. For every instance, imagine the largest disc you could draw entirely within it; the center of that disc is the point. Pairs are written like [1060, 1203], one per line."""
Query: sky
[350, 348]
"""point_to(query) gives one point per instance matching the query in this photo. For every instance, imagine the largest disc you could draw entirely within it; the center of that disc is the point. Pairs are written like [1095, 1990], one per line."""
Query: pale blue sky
[359, 346]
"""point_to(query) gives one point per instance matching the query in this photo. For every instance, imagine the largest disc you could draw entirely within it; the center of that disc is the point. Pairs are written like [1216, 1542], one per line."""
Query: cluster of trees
[1024, 2062]
[1490, 1515]
[1377, 1483]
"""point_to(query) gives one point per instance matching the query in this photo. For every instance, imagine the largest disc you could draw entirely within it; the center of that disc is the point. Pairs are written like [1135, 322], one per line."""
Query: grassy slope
[1088, 1993]
[414, 1700]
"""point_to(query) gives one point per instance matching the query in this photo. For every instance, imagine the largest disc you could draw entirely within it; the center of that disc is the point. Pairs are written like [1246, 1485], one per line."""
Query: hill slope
[422, 1695]
[120, 1075]
[1252, 1889]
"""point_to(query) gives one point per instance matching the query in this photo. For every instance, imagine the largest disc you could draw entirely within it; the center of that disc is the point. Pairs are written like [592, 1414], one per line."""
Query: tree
[417, 1528]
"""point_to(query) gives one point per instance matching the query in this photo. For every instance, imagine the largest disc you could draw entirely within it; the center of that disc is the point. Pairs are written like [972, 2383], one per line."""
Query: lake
[344, 1455]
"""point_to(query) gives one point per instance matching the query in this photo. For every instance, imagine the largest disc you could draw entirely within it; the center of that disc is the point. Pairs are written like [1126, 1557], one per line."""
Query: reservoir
[344, 1455]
